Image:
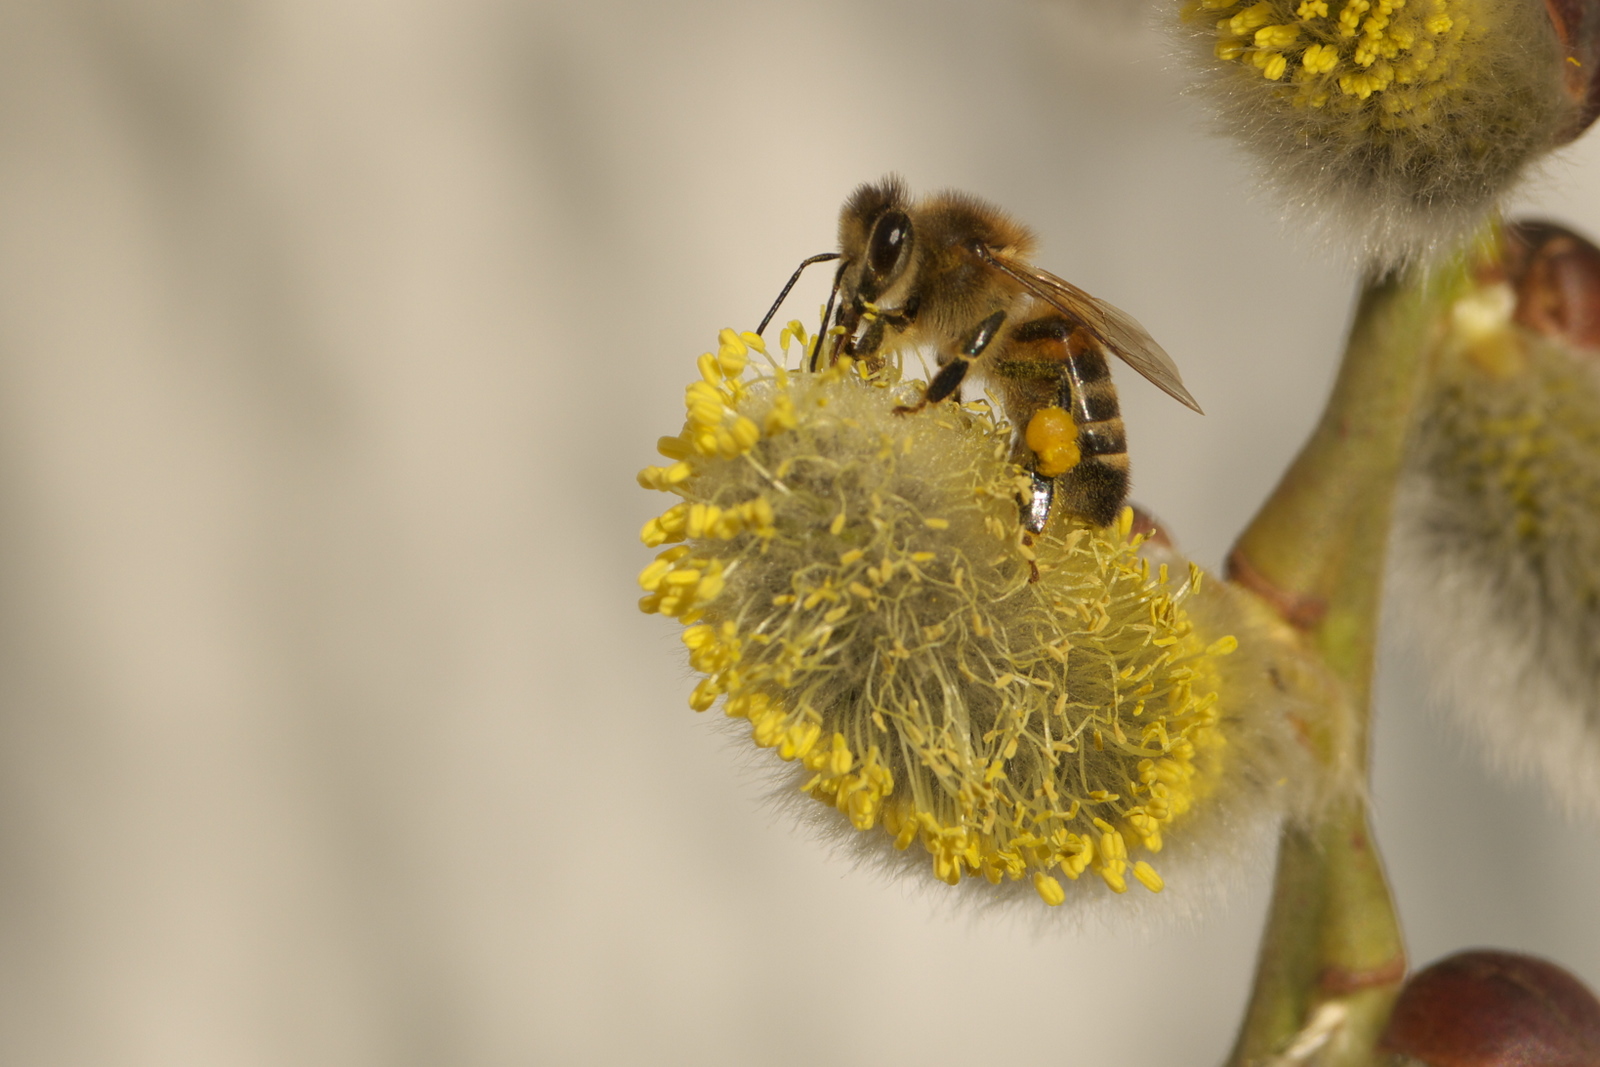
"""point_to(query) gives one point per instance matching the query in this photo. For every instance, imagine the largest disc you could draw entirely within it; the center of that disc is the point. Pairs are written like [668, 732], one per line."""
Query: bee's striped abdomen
[1053, 362]
[1098, 485]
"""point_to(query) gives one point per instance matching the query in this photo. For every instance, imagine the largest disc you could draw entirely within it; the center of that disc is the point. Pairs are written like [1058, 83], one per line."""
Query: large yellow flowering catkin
[1391, 125]
[1496, 559]
[856, 586]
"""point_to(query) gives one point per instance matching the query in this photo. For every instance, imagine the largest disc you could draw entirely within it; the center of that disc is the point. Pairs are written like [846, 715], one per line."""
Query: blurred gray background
[331, 336]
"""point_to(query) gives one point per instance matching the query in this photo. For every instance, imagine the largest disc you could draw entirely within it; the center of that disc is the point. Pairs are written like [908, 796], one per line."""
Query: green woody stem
[1332, 958]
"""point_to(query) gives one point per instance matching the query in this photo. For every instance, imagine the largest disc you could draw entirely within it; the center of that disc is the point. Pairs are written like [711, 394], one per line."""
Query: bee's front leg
[948, 378]
[947, 381]
[867, 348]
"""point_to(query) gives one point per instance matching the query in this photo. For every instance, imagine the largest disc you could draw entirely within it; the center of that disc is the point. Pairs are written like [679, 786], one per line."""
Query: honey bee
[951, 273]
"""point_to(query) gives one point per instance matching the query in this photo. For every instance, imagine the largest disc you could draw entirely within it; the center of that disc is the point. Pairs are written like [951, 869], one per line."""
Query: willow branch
[1332, 958]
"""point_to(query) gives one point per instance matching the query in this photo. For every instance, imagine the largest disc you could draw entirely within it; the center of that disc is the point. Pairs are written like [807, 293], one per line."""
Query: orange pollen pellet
[1053, 436]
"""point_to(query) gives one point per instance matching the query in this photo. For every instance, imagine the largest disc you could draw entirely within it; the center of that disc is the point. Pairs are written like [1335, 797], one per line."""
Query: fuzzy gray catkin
[1496, 555]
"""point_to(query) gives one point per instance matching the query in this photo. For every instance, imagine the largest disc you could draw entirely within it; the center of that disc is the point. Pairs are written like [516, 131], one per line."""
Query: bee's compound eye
[891, 236]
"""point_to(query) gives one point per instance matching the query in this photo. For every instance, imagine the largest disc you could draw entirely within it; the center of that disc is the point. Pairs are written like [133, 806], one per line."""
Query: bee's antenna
[827, 317]
[776, 304]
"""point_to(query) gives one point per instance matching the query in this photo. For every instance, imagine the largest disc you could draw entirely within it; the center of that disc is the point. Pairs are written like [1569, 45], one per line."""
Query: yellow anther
[1148, 877]
[704, 393]
[782, 416]
[840, 759]
[708, 587]
[698, 637]
[1280, 36]
[729, 342]
[709, 369]
[767, 727]
[760, 515]
[1350, 17]
[799, 739]
[701, 518]
[1251, 18]
[1078, 856]
[653, 478]
[665, 527]
[1050, 890]
[1229, 50]
[705, 694]
[745, 433]
[1320, 58]
[650, 577]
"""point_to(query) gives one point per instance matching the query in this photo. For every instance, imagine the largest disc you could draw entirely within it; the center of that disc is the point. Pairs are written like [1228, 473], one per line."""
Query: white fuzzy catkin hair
[1495, 565]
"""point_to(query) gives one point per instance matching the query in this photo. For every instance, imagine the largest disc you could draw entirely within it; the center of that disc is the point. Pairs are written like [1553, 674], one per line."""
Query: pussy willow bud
[1395, 126]
[1029, 713]
[1577, 26]
[1497, 534]
[1494, 1009]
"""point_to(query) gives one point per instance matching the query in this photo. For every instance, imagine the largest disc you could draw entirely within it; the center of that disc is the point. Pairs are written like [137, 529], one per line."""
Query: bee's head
[876, 237]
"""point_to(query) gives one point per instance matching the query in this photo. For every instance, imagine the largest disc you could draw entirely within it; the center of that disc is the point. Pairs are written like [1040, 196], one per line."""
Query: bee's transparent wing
[1114, 328]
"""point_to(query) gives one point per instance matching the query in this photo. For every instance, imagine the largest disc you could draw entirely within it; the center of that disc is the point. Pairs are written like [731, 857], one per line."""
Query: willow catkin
[1496, 560]
[857, 588]
[1392, 127]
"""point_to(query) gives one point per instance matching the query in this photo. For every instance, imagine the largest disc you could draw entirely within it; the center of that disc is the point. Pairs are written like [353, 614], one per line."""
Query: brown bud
[1556, 275]
[1495, 1009]
[1577, 26]
[1150, 528]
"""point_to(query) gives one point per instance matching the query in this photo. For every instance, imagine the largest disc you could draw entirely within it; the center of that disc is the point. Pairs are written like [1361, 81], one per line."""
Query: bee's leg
[948, 378]
[865, 348]
[873, 337]
[1035, 513]
[1036, 506]
[901, 319]
[947, 381]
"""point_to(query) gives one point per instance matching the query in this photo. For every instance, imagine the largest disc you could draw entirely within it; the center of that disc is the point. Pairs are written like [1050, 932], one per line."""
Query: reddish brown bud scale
[1556, 275]
[1150, 528]
[1495, 1009]
[1577, 26]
